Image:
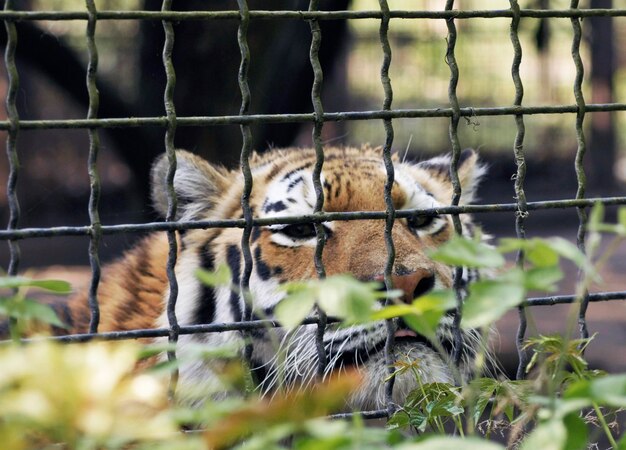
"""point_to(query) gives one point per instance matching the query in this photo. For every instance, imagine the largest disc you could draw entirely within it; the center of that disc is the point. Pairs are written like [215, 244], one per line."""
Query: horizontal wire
[265, 323]
[199, 121]
[24, 233]
[374, 414]
[568, 299]
[307, 15]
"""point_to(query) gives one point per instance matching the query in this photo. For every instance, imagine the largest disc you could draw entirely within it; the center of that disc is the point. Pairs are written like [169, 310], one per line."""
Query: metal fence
[171, 122]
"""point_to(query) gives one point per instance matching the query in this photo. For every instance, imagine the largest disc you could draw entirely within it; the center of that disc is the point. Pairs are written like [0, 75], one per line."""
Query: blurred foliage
[25, 314]
[85, 397]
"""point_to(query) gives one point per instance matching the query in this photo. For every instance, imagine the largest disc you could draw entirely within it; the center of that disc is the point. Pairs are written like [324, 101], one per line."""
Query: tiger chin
[134, 290]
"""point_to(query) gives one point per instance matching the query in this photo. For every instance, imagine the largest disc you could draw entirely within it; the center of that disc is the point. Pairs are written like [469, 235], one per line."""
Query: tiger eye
[418, 222]
[299, 231]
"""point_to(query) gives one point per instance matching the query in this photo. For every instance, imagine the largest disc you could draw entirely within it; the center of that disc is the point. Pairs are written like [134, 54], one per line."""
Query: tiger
[134, 290]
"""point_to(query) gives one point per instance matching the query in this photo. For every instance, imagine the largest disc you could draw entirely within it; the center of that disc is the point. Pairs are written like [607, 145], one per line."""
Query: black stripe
[440, 230]
[205, 309]
[255, 234]
[263, 270]
[63, 312]
[258, 370]
[276, 206]
[295, 182]
[297, 169]
[233, 259]
[465, 155]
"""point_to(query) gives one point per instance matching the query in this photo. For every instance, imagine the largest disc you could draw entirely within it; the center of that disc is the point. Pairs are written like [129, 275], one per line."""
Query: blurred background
[53, 186]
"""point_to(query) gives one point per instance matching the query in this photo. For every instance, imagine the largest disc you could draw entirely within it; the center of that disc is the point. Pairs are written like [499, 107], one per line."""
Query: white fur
[294, 362]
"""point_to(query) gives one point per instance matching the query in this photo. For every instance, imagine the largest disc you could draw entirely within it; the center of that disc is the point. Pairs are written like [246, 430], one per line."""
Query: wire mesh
[520, 162]
[168, 99]
[171, 122]
[320, 233]
[246, 149]
[94, 147]
[390, 210]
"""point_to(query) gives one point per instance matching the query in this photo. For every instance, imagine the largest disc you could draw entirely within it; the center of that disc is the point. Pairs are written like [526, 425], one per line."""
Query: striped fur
[134, 289]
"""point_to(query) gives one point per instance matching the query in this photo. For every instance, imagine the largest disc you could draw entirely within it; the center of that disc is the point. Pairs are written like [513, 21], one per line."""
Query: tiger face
[353, 180]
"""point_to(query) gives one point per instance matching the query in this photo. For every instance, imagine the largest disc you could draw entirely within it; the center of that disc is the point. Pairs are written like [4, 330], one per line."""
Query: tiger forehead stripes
[134, 290]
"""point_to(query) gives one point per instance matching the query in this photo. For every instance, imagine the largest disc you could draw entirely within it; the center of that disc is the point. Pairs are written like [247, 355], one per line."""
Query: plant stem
[604, 425]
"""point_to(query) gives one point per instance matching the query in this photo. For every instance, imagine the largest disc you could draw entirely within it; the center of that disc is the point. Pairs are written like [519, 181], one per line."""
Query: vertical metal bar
[454, 174]
[580, 153]
[168, 99]
[94, 180]
[11, 146]
[391, 251]
[520, 162]
[316, 92]
[246, 148]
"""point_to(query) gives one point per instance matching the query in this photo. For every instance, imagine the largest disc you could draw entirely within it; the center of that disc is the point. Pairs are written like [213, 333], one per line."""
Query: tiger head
[352, 179]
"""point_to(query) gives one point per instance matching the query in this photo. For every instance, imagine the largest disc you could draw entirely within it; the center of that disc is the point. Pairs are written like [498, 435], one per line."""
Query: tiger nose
[412, 284]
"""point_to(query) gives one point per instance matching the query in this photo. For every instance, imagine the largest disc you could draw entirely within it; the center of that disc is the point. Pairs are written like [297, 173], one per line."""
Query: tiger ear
[197, 184]
[470, 172]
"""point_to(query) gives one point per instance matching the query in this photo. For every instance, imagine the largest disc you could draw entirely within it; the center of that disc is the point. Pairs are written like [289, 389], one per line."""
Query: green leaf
[424, 314]
[399, 420]
[488, 300]
[425, 324]
[621, 445]
[568, 250]
[56, 286]
[576, 432]
[30, 310]
[444, 407]
[550, 435]
[219, 277]
[460, 251]
[391, 311]
[292, 310]
[541, 254]
[537, 251]
[439, 300]
[596, 217]
[485, 388]
[343, 296]
[543, 278]
[34, 310]
[419, 421]
[609, 390]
